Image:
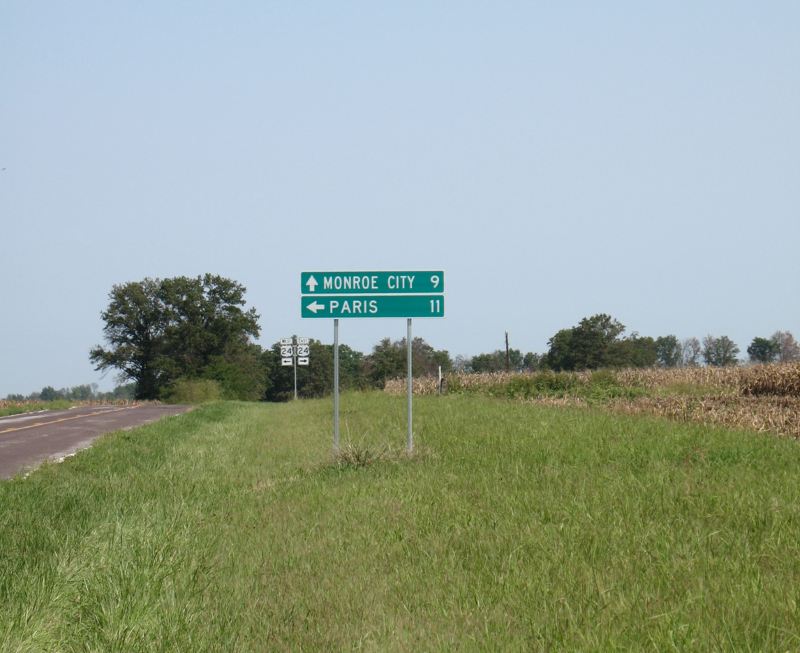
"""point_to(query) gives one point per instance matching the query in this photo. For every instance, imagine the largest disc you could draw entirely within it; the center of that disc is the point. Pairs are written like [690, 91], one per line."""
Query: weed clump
[356, 456]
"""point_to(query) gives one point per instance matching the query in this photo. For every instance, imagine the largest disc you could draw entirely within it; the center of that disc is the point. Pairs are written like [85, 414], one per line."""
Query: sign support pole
[336, 385]
[294, 361]
[410, 440]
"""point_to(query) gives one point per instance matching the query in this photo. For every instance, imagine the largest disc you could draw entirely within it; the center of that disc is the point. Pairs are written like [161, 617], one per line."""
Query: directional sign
[286, 362]
[302, 360]
[343, 306]
[371, 283]
[303, 350]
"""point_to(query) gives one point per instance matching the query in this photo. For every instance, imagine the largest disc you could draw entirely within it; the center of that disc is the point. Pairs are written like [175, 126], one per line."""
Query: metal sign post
[336, 385]
[410, 439]
[294, 360]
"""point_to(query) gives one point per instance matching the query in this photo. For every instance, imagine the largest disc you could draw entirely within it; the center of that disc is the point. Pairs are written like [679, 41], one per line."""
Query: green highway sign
[371, 283]
[343, 306]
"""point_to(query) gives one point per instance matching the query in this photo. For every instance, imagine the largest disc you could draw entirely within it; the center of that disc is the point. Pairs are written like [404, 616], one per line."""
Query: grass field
[515, 527]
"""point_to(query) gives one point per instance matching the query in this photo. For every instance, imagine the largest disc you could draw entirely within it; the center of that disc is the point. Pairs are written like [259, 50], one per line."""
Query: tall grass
[518, 527]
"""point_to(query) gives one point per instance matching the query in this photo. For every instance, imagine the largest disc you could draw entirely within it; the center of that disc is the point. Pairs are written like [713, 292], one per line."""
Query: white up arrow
[312, 283]
[314, 307]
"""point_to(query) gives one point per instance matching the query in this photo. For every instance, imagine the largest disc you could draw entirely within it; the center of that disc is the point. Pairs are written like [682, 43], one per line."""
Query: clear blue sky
[555, 159]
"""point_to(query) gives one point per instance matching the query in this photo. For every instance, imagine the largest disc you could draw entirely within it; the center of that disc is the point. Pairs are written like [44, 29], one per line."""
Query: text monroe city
[367, 282]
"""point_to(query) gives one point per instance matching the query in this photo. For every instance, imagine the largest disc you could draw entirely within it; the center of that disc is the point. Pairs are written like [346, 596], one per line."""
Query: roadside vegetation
[515, 526]
[24, 406]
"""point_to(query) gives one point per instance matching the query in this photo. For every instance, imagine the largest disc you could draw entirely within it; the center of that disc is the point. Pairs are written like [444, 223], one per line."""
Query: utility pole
[508, 359]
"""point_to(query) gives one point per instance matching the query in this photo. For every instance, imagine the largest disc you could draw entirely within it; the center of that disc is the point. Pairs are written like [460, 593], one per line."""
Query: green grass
[516, 527]
[17, 409]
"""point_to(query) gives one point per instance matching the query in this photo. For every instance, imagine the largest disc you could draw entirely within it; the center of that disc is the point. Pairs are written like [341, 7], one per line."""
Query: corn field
[763, 398]
[27, 404]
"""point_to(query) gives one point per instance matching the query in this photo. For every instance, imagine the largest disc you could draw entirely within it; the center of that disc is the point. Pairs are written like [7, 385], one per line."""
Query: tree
[127, 391]
[241, 372]
[633, 351]
[594, 343]
[719, 352]
[160, 330]
[388, 360]
[788, 349]
[560, 356]
[691, 352]
[532, 362]
[49, 393]
[669, 352]
[763, 350]
[496, 361]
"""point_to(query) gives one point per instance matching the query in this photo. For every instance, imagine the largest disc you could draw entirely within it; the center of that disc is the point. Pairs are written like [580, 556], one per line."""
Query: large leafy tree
[763, 350]
[669, 351]
[388, 360]
[160, 330]
[719, 351]
[592, 344]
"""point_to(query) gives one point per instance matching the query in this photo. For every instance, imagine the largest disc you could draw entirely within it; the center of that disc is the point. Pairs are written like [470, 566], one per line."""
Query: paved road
[28, 440]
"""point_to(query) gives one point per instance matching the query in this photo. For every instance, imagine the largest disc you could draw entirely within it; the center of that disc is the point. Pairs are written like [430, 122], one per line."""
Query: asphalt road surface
[28, 440]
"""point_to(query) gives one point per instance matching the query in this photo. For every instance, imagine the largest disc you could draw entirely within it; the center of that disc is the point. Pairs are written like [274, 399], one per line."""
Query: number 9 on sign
[435, 281]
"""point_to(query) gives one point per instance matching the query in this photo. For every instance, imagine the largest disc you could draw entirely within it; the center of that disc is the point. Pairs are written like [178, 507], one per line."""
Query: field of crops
[763, 398]
[28, 406]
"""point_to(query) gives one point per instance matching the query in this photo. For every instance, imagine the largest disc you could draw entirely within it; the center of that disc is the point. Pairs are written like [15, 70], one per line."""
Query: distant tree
[597, 342]
[161, 330]
[316, 378]
[633, 351]
[763, 350]
[49, 393]
[126, 391]
[788, 349]
[15, 397]
[669, 352]
[496, 361]
[532, 362]
[388, 360]
[461, 364]
[80, 393]
[719, 352]
[560, 355]
[691, 352]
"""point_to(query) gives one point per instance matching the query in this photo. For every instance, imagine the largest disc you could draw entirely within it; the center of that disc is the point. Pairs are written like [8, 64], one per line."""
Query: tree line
[85, 392]
[164, 333]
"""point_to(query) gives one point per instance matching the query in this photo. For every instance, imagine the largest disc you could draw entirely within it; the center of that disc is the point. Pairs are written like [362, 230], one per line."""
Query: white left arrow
[312, 283]
[314, 307]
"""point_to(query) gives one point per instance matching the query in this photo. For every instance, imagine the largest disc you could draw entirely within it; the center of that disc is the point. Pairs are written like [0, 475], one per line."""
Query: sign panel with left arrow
[345, 306]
